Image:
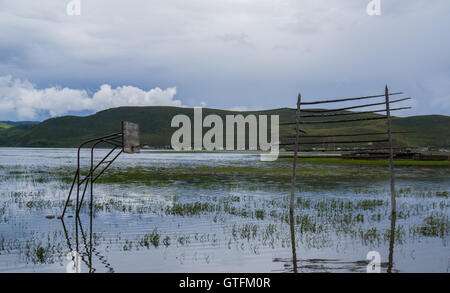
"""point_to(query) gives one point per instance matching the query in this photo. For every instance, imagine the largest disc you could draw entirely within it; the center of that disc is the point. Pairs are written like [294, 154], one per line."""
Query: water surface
[218, 212]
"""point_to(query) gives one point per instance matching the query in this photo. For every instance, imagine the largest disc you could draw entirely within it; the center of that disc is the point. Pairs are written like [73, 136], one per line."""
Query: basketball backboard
[130, 137]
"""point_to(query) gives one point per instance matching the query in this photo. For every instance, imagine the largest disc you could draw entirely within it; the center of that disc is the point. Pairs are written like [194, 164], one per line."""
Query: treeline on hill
[69, 131]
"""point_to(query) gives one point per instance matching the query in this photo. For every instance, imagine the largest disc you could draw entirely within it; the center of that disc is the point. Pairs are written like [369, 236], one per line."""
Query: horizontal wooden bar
[334, 121]
[338, 142]
[342, 121]
[292, 123]
[355, 134]
[348, 99]
[372, 152]
[352, 107]
[345, 150]
[352, 113]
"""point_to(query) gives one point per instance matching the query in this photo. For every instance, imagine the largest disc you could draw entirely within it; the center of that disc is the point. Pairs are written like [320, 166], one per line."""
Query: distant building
[423, 149]
[319, 149]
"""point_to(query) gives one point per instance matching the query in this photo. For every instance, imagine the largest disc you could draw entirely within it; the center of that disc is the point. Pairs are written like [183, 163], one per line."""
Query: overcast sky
[232, 54]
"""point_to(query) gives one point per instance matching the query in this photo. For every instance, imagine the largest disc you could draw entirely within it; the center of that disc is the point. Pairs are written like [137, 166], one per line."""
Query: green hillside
[4, 126]
[14, 123]
[70, 131]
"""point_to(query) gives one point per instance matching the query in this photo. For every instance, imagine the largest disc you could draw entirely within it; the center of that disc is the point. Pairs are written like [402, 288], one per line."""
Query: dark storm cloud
[228, 53]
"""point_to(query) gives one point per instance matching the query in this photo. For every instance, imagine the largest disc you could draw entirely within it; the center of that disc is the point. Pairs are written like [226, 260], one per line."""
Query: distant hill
[70, 131]
[4, 125]
[14, 123]
[13, 128]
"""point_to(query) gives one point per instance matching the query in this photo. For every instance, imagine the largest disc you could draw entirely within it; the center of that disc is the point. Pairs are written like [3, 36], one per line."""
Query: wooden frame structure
[311, 116]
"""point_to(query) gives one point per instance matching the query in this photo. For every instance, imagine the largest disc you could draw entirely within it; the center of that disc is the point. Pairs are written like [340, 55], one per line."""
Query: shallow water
[226, 224]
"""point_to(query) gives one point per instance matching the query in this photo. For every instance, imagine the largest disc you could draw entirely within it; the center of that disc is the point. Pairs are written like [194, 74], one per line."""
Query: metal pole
[82, 197]
[391, 152]
[77, 248]
[91, 171]
[294, 168]
[70, 193]
[78, 178]
[109, 164]
[77, 174]
[78, 195]
[95, 168]
[91, 207]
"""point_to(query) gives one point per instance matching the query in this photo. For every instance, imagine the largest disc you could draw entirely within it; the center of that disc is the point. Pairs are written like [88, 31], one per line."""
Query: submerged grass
[342, 161]
[248, 220]
[224, 177]
[150, 239]
[323, 173]
[435, 225]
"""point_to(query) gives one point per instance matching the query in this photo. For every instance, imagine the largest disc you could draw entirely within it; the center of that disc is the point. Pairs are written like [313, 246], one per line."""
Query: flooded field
[219, 212]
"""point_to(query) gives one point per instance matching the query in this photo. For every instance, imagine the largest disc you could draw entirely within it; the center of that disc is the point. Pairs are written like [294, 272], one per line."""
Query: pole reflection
[84, 249]
[294, 253]
[391, 242]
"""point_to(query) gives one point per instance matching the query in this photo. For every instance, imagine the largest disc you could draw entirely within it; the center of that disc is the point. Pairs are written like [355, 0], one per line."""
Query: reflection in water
[314, 265]
[89, 249]
[294, 254]
[391, 242]
[184, 223]
[335, 264]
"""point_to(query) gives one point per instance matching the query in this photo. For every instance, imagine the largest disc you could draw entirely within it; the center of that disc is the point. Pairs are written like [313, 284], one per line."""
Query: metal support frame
[127, 141]
[90, 179]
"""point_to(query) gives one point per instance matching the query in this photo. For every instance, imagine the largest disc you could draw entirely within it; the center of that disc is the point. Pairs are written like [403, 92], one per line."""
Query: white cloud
[22, 100]
[239, 108]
